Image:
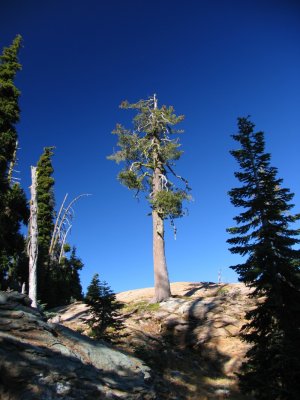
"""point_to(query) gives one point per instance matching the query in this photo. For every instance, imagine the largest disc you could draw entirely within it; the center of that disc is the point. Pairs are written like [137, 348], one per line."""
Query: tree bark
[12, 164]
[161, 277]
[33, 237]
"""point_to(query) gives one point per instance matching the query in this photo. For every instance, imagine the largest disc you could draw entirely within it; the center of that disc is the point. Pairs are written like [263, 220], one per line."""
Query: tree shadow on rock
[196, 287]
[30, 372]
[187, 359]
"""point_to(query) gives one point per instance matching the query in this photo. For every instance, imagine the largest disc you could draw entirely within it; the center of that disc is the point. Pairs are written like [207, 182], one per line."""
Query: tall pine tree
[149, 153]
[272, 269]
[45, 218]
[13, 207]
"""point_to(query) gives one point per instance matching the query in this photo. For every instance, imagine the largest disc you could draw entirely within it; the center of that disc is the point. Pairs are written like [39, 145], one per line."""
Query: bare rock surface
[191, 341]
[48, 361]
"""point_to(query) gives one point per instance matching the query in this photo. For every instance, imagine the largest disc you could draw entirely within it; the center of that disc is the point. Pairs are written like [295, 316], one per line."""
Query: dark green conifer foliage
[272, 269]
[13, 207]
[46, 215]
[105, 322]
[65, 280]
[9, 107]
[46, 202]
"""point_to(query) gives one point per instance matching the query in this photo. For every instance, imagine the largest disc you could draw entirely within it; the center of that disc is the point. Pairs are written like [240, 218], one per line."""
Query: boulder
[40, 360]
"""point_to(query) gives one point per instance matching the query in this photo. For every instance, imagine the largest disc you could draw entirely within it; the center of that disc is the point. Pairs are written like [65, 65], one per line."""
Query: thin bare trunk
[55, 234]
[33, 238]
[161, 277]
[62, 250]
[12, 165]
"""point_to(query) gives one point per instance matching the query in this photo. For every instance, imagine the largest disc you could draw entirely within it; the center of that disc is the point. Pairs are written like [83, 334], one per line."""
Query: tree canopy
[150, 145]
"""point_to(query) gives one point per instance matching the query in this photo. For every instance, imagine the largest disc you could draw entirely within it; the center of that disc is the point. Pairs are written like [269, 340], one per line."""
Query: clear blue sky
[212, 60]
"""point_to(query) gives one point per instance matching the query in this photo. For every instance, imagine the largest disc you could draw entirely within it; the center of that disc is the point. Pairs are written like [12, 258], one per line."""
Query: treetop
[149, 151]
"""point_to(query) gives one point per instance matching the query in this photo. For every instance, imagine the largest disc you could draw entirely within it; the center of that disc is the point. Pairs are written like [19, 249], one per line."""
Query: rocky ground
[191, 341]
[48, 361]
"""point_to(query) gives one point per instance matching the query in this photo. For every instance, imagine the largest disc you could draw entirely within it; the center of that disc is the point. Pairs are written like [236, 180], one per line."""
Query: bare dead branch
[63, 225]
[54, 234]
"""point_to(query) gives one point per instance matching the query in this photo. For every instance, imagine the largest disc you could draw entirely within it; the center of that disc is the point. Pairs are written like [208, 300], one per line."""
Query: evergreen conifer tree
[13, 207]
[149, 153]
[105, 322]
[66, 281]
[272, 269]
[45, 218]
[58, 281]
[46, 200]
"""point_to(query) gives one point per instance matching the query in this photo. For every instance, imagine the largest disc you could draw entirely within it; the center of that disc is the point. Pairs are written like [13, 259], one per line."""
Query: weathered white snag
[33, 239]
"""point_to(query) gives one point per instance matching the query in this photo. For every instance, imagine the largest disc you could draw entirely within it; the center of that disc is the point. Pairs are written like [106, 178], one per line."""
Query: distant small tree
[149, 152]
[272, 269]
[105, 321]
[68, 287]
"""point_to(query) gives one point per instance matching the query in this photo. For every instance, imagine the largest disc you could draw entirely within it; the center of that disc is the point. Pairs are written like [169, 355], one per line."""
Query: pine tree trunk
[33, 236]
[161, 277]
